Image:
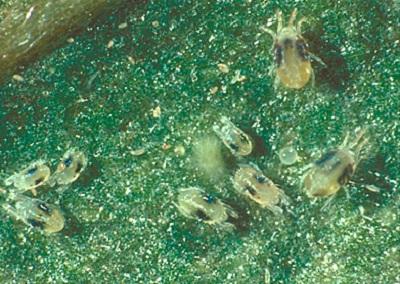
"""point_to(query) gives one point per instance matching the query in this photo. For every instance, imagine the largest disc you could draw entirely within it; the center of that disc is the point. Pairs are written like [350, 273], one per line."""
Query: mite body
[70, 167]
[250, 181]
[33, 176]
[334, 169]
[238, 142]
[292, 58]
[36, 213]
[194, 203]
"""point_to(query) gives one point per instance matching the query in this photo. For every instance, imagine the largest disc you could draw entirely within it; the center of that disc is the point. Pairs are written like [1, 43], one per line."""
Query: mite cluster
[35, 212]
[323, 178]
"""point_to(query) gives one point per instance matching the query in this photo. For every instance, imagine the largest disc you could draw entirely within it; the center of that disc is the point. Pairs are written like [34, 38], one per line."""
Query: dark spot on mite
[251, 190]
[39, 181]
[325, 158]
[79, 167]
[234, 146]
[288, 43]
[44, 208]
[278, 55]
[35, 223]
[209, 199]
[346, 174]
[68, 162]
[31, 171]
[301, 48]
[260, 178]
[243, 138]
[201, 215]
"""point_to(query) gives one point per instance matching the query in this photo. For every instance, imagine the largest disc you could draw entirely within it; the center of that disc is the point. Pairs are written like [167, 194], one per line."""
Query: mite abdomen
[294, 72]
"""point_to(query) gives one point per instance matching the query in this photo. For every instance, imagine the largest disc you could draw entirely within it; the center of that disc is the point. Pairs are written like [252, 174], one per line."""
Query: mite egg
[288, 155]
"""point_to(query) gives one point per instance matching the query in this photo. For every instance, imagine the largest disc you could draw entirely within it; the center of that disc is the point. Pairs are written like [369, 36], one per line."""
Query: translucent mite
[194, 203]
[33, 176]
[250, 181]
[292, 58]
[334, 169]
[36, 213]
[70, 167]
[238, 142]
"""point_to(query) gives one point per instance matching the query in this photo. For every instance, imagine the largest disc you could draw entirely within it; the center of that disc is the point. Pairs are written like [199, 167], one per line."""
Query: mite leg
[13, 212]
[270, 32]
[299, 23]
[357, 142]
[10, 180]
[34, 192]
[292, 17]
[312, 78]
[271, 70]
[317, 59]
[285, 200]
[231, 212]
[280, 20]
[345, 140]
[275, 209]
[359, 148]
[277, 81]
[328, 203]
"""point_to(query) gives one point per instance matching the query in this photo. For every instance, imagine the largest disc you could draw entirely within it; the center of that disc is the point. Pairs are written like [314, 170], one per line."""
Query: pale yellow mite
[70, 167]
[250, 181]
[238, 142]
[292, 58]
[194, 203]
[33, 176]
[334, 169]
[36, 213]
